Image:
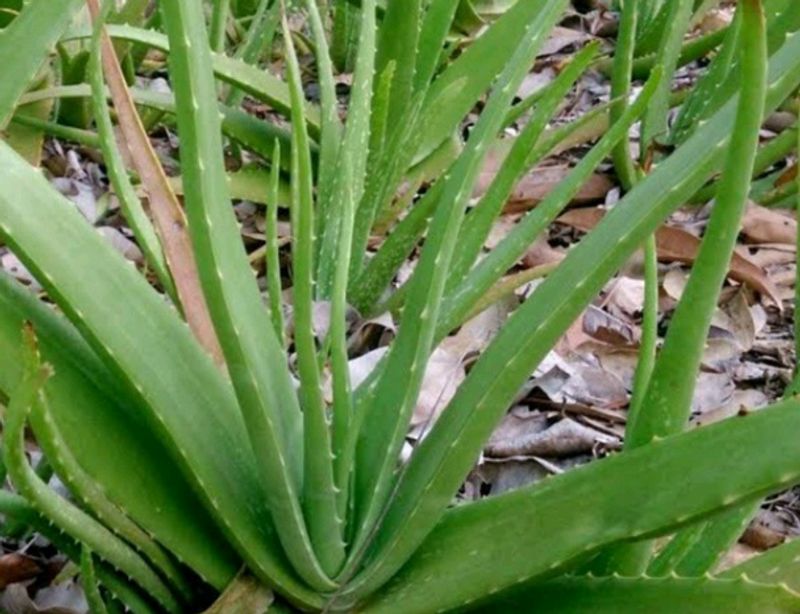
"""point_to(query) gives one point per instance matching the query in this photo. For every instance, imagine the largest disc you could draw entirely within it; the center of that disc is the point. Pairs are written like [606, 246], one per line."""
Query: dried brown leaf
[676, 245]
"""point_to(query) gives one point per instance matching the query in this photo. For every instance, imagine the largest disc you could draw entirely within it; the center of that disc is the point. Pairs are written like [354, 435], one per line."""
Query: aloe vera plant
[192, 452]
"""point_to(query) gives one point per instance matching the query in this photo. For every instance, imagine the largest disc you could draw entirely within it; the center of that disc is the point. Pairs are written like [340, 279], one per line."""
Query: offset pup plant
[193, 433]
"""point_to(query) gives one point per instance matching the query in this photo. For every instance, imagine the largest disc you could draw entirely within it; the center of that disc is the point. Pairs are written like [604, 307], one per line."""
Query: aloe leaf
[336, 253]
[331, 129]
[319, 497]
[782, 20]
[254, 355]
[344, 33]
[342, 420]
[663, 564]
[353, 153]
[475, 70]
[192, 409]
[397, 46]
[58, 510]
[669, 393]
[29, 38]
[717, 538]
[696, 549]
[91, 588]
[445, 456]
[382, 184]
[611, 595]
[219, 22]
[621, 76]
[527, 150]
[778, 565]
[68, 133]
[15, 507]
[260, 35]
[696, 106]
[258, 83]
[538, 531]
[774, 150]
[101, 429]
[91, 495]
[386, 416]
[274, 285]
[28, 139]
[677, 14]
[433, 34]
[382, 267]
[251, 132]
[462, 298]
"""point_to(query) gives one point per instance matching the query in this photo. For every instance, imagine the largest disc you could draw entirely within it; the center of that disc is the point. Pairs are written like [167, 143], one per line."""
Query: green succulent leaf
[651, 595]
[539, 531]
[30, 38]
[102, 427]
[59, 510]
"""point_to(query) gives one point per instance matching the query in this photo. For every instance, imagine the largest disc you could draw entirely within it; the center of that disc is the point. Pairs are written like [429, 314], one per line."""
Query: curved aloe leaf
[665, 405]
[352, 158]
[59, 510]
[715, 88]
[258, 83]
[433, 34]
[91, 495]
[527, 150]
[398, 43]
[251, 132]
[17, 508]
[168, 215]
[331, 130]
[539, 531]
[106, 435]
[464, 296]
[677, 14]
[89, 582]
[129, 202]
[704, 93]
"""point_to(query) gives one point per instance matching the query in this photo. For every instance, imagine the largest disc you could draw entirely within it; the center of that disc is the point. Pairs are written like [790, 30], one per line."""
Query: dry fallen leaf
[676, 245]
[564, 438]
[561, 38]
[538, 183]
[763, 225]
[16, 567]
[603, 326]
[507, 474]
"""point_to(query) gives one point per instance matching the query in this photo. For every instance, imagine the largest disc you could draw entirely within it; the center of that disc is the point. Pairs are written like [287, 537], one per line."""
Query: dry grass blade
[167, 214]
